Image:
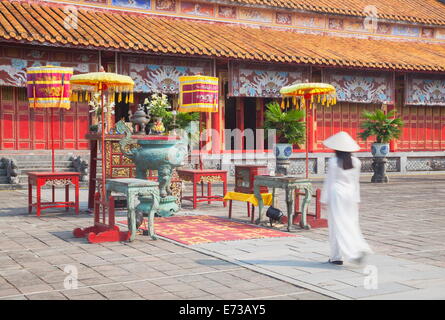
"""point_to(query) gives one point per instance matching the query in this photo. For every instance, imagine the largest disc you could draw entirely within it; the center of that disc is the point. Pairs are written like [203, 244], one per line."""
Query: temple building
[390, 55]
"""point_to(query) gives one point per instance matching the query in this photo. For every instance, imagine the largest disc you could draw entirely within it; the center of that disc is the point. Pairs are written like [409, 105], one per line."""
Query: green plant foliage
[290, 128]
[183, 120]
[384, 127]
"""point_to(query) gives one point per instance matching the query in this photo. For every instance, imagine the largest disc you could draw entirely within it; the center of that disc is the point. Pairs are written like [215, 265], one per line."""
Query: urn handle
[126, 140]
[177, 154]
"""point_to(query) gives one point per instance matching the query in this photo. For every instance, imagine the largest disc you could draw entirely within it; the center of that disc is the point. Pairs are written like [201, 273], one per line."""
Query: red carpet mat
[205, 229]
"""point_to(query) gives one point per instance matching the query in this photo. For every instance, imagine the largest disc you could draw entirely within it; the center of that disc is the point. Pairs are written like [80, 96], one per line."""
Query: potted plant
[384, 126]
[182, 121]
[289, 128]
[157, 108]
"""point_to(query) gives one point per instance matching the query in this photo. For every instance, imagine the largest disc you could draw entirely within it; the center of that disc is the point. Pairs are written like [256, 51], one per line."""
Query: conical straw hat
[342, 141]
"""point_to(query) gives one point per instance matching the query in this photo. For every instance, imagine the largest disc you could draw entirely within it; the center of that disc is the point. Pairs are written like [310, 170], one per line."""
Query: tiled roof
[44, 24]
[419, 11]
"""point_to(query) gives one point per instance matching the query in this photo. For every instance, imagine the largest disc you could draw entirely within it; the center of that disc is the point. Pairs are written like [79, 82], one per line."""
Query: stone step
[40, 166]
[37, 159]
[21, 186]
[7, 186]
[40, 163]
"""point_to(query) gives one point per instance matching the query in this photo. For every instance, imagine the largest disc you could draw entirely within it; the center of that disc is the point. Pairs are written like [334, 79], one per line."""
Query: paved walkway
[404, 222]
[39, 257]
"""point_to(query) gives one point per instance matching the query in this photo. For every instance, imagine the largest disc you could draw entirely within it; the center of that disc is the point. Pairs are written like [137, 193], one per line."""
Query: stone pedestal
[167, 206]
[379, 166]
[282, 167]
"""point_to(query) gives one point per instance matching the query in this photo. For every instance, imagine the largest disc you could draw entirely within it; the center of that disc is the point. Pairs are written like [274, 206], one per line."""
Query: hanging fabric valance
[362, 86]
[264, 81]
[425, 90]
[161, 75]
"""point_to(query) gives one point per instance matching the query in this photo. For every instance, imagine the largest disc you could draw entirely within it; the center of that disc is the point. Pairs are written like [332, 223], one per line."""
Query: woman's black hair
[344, 159]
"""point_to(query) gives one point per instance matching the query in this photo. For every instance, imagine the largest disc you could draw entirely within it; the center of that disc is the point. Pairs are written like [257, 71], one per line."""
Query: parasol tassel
[34, 92]
[282, 103]
[62, 90]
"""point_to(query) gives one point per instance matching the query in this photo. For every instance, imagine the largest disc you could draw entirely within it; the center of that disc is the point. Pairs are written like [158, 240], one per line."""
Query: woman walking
[341, 195]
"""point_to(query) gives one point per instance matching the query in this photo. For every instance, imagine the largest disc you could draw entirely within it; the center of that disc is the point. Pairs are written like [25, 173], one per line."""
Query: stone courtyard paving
[34, 253]
[404, 222]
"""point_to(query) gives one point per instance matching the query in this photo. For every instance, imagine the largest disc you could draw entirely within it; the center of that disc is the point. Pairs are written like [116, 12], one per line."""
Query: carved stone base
[379, 166]
[167, 206]
[282, 168]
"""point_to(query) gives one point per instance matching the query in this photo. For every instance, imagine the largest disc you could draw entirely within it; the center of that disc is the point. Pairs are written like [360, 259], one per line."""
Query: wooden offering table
[289, 184]
[53, 179]
[204, 176]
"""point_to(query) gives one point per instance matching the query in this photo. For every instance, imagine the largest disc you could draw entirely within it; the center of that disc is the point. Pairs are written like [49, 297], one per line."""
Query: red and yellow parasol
[84, 85]
[307, 95]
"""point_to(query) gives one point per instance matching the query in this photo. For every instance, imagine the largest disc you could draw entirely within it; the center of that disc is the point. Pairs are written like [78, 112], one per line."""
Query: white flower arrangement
[157, 105]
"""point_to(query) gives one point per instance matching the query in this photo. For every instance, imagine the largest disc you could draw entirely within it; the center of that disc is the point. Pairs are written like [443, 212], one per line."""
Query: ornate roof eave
[321, 66]
[338, 13]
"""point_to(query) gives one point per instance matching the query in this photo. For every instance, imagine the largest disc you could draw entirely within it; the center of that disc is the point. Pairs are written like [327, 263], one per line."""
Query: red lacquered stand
[39, 179]
[102, 231]
[208, 176]
[314, 220]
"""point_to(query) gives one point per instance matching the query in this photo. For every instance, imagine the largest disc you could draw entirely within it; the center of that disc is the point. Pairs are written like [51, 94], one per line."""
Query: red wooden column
[392, 143]
[259, 124]
[216, 131]
[239, 145]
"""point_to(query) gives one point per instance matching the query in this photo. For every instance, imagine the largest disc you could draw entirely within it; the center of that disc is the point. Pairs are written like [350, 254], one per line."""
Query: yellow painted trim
[189, 91]
[49, 82]
[50, 100]
[198, 78]
[199, 104]
[51, 71]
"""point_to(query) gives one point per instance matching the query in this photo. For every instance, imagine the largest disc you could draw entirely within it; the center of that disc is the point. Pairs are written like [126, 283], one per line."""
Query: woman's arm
[358, 165]
[329, 179]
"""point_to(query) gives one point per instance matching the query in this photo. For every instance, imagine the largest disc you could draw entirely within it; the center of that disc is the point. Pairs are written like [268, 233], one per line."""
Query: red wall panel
[26, 129]
[341, 117]
[8, 125]
[424, 128]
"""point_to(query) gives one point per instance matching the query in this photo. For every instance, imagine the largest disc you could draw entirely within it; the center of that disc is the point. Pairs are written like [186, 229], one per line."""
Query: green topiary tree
[384, 127]
[290, 128]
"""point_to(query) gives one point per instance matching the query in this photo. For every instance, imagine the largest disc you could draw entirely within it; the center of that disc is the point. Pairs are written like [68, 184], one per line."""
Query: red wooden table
[204, 176]
[53, 179]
